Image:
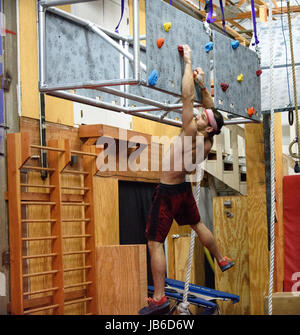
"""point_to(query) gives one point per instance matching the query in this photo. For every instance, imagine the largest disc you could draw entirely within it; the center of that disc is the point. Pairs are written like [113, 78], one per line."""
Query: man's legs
[158, 268]
[208, 240]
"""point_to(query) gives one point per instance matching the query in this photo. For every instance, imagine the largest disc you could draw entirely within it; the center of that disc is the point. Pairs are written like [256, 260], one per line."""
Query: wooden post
[89, 165]
[257, 216]
[58, 161]
[18, 152]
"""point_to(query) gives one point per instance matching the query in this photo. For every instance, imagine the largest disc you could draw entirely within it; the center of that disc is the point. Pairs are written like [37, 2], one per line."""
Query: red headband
[211, 119]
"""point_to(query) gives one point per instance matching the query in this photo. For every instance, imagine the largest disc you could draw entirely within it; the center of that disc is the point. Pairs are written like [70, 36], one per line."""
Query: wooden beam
[257, 216]
[89, 164]
[14, 161]
[58, 161]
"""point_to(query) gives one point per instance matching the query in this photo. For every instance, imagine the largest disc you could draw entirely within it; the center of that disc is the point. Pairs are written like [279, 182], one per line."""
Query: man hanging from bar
[173, 198]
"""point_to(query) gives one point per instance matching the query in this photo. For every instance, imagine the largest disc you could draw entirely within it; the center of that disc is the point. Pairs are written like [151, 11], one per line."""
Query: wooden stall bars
[45, 269]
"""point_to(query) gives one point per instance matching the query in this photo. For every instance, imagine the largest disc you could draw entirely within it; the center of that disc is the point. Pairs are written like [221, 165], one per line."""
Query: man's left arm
[207, 100]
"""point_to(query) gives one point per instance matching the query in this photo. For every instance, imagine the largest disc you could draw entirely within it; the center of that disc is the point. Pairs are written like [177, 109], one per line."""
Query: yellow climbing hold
[167, 26]
[240, 77]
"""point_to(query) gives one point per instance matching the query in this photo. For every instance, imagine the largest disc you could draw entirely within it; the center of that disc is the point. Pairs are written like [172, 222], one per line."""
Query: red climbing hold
[251, 111]
[180, 50]
[258, 72]
[224, 86]
[160, 42]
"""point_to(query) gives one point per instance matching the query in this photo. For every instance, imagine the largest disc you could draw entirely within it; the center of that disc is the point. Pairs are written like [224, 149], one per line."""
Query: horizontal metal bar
[78, 301]
[239, 121]
[88, 85]
[138, 98]
[282, 109]
[49, 3]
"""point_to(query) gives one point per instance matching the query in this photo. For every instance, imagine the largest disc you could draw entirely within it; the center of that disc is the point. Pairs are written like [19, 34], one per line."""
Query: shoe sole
[163, 309]
[226, 267]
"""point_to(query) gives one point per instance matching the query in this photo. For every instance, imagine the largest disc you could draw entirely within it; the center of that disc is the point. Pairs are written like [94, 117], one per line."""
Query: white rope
[272, 223]
[183, 308]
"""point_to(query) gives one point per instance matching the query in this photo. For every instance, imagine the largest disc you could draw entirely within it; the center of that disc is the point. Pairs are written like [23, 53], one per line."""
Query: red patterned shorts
[171, 202]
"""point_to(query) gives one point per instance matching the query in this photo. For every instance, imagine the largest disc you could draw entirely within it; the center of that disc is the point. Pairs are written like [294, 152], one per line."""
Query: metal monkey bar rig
[66, 91]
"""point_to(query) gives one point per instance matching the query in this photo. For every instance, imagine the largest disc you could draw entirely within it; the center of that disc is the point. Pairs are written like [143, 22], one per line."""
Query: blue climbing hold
[209, 46]
[152, 79]
[235, 44]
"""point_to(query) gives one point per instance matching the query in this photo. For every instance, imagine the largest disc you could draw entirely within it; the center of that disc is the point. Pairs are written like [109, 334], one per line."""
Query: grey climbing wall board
[229, 63]
[76, 55]
[166, 60]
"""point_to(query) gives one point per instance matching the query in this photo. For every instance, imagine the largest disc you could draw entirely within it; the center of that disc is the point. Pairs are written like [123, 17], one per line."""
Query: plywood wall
[122, 278]
[231, 235]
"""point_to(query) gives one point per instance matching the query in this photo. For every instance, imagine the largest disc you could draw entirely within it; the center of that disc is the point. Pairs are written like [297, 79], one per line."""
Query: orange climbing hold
[160, 42]
[251, 111]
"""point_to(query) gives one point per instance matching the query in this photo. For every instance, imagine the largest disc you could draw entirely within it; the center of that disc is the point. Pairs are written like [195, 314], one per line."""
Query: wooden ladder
[54, 298]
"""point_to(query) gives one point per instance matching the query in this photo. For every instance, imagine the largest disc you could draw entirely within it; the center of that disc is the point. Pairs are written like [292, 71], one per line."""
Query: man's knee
[154, 245]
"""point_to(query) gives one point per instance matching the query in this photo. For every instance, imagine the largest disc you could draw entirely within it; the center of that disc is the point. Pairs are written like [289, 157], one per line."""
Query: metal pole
[239, 121]
[41, 47]
[88, 85]
[138, 98]
[136, 41]
[49, 3]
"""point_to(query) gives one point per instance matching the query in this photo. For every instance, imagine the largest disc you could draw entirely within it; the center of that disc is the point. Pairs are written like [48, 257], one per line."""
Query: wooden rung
[41, 291]
[39, 256]
[42, 186]
[41, 238]
[75, 152]
[78, 284]
[49, 203]
[36, 220]
[75, 172]
[75, 220]
[38, 168]
[68, 253]
[79, 268]
[29, 311]
[27, 275]
[75, 188]
[46, 148]
[76, 236]
[75, 204]
[77, 301]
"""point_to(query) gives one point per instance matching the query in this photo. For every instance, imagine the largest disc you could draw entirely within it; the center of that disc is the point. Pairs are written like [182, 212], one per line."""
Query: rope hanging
[294, 155]
[272, 223]
[183, 308]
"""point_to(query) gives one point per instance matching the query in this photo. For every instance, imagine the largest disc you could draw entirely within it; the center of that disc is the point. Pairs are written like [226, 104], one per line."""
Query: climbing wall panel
[166, 60]
[76, 55]
[229, 63]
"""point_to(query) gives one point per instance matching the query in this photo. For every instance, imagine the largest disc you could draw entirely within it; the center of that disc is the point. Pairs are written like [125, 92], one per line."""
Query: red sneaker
[156, 307]
[225, 264]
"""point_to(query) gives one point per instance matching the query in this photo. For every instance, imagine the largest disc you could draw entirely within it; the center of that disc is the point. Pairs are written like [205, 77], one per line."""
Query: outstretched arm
[187, 92]
[207, 100]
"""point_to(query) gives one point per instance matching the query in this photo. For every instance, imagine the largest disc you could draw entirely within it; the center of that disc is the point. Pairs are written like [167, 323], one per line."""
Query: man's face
[201, 120]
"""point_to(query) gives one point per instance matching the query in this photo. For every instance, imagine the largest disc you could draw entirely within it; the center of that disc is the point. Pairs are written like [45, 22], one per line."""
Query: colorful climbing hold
[167, 26]
[258, 72]
[152, 79]
[224, 86]
[209, 46]
[240, 78]
[235, 44]
[180, 50]
[251, 111]
[160, 42]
